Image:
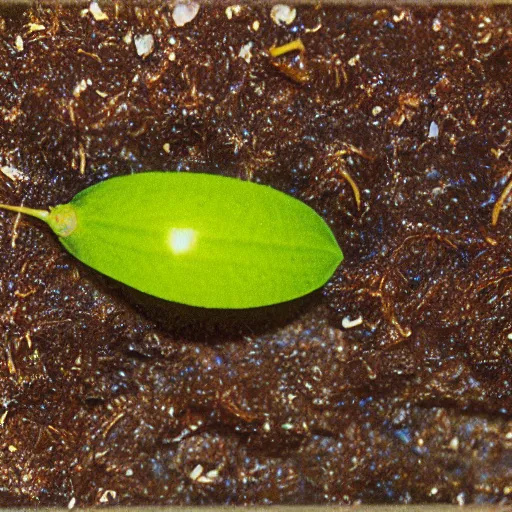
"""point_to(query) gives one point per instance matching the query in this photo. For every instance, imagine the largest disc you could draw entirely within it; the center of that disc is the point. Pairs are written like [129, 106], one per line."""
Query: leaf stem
[38, 214]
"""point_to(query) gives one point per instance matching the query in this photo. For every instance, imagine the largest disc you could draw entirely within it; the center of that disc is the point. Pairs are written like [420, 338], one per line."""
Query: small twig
[81, 151]
[498, 206]
[92, 55]
[276, 51]
[346, 175]
[353, 184]
[15, 230]
[111, 424]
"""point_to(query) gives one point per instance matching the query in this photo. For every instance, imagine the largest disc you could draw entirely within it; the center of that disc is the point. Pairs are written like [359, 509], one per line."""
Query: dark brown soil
[393, 384]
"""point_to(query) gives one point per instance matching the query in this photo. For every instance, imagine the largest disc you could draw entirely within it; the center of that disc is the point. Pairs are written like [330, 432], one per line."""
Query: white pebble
[454, 444]
[376, 110]
[184, 13]
[196, 472]
[19, 43]
[346, 323]
[283, 14]
[128, 38]
[144, 44]
[354, 60]
[245, 52]
[72, 503]
[233, 10]
[433, 132]
[13, 173]
[35, 27]
[107, 496]
[80, 87]
[213, 474]
[96, 12]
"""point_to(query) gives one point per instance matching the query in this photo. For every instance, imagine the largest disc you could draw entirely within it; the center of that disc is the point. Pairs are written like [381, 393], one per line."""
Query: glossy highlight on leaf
[197, 239]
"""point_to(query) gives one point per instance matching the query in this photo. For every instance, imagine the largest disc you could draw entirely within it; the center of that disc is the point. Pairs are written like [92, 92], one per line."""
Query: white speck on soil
[184, 13]
[96, 12]
[144, 45]
[283, 14]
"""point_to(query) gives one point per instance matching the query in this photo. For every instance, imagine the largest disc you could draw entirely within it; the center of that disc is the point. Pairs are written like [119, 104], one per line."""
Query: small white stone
[80, 87]
[399, 17]
[509, 336]
[454, 444]
[35, 27]
[128, 38]
[376, 110]
[72, 503]
[283, 14]
[13, 173]
[209, 478]
[184, 13]
[346, 323]
[196, 472]
[205, 480]
[354, 60]
[129, 472]
[213, 474]
[172, 56]
[96, 12]
[433, 131]
[144, 45]
[233, 10]
[245, 52]
[256, 25]
[107, 495]
[19, 43]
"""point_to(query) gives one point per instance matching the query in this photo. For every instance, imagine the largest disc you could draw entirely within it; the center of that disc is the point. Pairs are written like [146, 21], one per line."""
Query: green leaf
[198, 239]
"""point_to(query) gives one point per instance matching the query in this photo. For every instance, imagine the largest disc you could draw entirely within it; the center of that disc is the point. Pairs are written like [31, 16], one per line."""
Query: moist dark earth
[392, 384]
